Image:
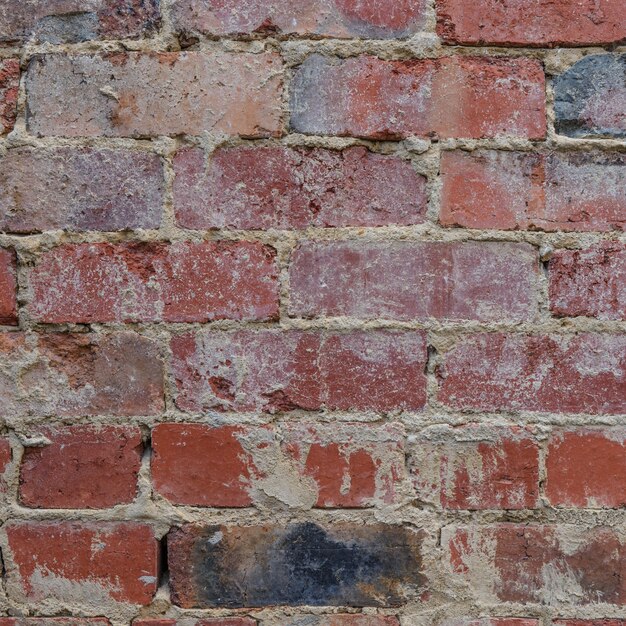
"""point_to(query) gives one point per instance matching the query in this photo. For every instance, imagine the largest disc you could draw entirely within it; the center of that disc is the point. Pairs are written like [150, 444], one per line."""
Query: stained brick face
[312, 312]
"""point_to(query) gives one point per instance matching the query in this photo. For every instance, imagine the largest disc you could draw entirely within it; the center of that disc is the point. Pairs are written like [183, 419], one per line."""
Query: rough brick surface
[542, 23]
[8, 287]
[590, 97]
[59, 374]
[5, 461]
[82, 467]
[134, 94]
[589, 622]
[81, 562]
[183, 282]
[70, 21]
[9, 85]
[477, 468]
[543, 564]
[273, 187]
[589, 282]
[275, 371]
[80, 189]
[586, 468]
[210, 621]
[404, 281]
[449, 97]
[333, 18]
[347, 564]
[490, 621]
[54, 621]
[344, 620]
[583, 373]
[570, 191]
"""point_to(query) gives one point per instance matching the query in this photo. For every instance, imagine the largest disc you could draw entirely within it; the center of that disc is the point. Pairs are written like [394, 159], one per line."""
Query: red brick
[490, 621]
[179, 282]
[276, 187]
[571, 191]
[332, 18]
[589, 622]
[137, 94]
[344, 620]
[54, 621]
[200, 465]
[75, 20]
[407, 280]
[542, 23]
[5, 461]
[583, 373]
[78, 374]
[8, 288]
[352, 466]
[477, 467]
[79, 189]
[589, 282]
[275, 371]
[211, 621]
[587, 468]
[9, 87]
[79, 562]
[471, 97]
[83, 467]
[545, 564]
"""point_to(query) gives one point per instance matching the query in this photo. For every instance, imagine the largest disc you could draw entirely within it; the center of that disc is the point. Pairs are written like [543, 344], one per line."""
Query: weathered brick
[407, 280]
[583, 373]
[589, 622]
[79, 189]
[571, 191]
[477, 467]
[83, 467]
[587, 468]
[301, 563]
[274, 371]
[343, 620]
[542, 23]
[9, 86]
[71, 21]
[209, 621]
[136, 94]
[590, 97]
[589, 282]
[332, 18]
[350, 466]
[76, 374]
[201, 465]
[81, 563]
[5, 461]
[54, 621]
[179, 282]
[277, 187]
[490, 621]
[552, 565]
[471, 97]
[8, 287]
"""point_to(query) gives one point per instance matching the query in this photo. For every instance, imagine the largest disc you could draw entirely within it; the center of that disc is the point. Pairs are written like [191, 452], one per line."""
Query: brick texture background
[313, 312]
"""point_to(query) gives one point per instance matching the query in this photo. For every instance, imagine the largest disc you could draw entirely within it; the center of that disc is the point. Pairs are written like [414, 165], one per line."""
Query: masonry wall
[313, 312]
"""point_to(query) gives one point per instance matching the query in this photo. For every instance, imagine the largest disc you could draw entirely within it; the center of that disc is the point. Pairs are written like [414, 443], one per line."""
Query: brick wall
[313, 312]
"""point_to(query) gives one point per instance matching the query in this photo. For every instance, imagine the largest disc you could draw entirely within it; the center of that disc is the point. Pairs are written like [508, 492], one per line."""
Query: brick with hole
[470, 97]
[8, 287]
[9, 88]
[68, 563]
[259, 188]
[73, 21]
[82, 467]
[589, 282]
[476, 467]
[541, 23]
[277, 371]
[586, 468]
[554, 565]
[413, 280]
[382, 19]
[551, 191]
[78, 189]
[155, 94]
[350, 465]
[80, 374]
[590, 97]
[302, 563]
[147, 282]
[560, 373]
